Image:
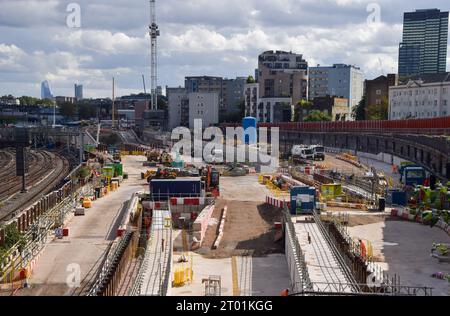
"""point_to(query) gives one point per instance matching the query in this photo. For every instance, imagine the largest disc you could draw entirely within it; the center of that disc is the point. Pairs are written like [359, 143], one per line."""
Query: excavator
[211, 177]
[166, 159]
[163, 173]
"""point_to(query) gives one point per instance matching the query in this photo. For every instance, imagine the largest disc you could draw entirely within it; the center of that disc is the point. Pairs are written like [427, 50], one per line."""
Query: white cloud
[103, 42]
[197, 37]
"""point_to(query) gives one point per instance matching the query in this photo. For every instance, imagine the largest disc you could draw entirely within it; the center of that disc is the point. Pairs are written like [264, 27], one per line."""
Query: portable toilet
[250, 130]
[303, 200]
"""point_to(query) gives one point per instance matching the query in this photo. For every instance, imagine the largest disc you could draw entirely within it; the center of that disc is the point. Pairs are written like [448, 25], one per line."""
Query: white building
[178, 104]
[425, 97]
[185, 107]
[345, 81]
[204, 106]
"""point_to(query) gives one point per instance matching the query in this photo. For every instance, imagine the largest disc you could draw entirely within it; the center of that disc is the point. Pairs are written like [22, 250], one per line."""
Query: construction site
[143, 222]
[342, 209]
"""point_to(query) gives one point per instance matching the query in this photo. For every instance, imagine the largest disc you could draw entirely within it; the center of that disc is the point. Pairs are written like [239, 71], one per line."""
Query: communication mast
[154, 33]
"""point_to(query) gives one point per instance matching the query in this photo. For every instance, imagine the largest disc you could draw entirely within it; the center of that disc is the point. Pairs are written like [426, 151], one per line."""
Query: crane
[143, 81]
[154, 33]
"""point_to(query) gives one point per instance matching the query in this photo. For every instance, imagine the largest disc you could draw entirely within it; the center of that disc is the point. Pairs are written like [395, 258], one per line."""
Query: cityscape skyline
[224, 43]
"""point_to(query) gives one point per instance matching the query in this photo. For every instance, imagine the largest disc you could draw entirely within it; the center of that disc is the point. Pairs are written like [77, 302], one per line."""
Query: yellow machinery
[331, 191]
[153, 156]
[147, 174]
[166, 159]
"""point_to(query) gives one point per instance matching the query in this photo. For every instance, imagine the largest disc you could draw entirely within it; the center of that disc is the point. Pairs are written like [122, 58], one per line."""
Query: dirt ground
[355, 220]
[333, 163]
[249, 227]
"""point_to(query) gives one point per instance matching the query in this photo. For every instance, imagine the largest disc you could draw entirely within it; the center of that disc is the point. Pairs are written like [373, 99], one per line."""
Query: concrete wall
[201, 223]
[294, 266]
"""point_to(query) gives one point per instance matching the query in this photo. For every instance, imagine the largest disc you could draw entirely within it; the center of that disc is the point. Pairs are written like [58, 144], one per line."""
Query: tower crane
[154, 33]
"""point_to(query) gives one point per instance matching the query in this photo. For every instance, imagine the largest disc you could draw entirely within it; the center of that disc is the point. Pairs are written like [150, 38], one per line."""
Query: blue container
[303, 200]
[398, 198]
[250, 130]
[164, 189]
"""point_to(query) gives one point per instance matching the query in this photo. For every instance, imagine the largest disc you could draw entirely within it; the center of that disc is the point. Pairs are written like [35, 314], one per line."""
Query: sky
[42, 39]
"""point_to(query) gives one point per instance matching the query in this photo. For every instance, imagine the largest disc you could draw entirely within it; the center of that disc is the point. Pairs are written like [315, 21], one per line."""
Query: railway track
[326, 262]
[46, 170]
[154, 276]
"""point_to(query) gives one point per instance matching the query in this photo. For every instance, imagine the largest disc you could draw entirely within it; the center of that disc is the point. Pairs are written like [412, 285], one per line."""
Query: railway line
[46, 169]
[325, 270]
[154, 269]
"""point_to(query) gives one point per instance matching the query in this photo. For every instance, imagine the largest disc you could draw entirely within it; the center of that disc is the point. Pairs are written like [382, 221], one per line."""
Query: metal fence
[110, 274]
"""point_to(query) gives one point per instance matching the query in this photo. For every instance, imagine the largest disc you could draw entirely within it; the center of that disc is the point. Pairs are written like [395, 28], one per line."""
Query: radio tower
[154, 33]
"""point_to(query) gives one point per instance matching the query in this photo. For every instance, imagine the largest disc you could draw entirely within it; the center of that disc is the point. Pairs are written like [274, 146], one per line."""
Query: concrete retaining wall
[221, 228]
[201, 224]
[294, 265]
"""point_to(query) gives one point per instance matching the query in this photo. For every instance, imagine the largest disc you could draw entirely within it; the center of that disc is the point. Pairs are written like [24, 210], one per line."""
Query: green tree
[162, 102]
[359, 111]
[378, 112]
[44, 102]
[317, 116]
[250, 79]
[68, 109]
[299, 107]
[86, 111]
[26, 100]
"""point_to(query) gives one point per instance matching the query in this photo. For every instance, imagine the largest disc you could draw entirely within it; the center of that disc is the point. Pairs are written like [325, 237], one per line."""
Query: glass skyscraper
[78, 91]
[45, 91]
[424, 46]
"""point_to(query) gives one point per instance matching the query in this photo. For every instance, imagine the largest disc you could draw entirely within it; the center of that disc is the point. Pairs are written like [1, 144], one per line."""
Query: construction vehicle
[413, 176]
[235, 170]
[153, 159]
[166, 159]
[163, 173]
[211, 178]
[318, 152]
[300, 153]
[116, 156]
[147, 174]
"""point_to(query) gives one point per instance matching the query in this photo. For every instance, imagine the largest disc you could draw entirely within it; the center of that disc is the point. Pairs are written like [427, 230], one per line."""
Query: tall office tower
[424, 46]
[78, 91]
[45, 90]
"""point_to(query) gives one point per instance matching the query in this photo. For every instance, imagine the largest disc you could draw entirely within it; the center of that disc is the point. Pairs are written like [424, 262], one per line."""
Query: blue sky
[198, 37]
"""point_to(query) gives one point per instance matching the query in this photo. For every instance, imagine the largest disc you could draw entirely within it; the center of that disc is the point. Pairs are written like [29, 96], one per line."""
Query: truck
[302, 152]
[413, 175]
[318, 152]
